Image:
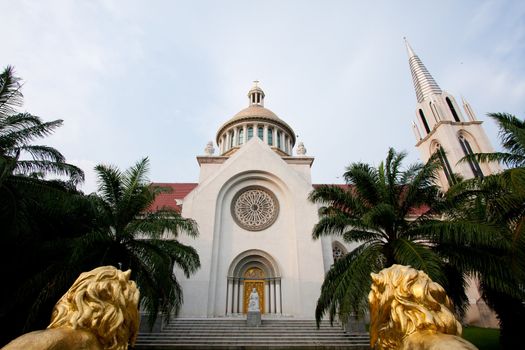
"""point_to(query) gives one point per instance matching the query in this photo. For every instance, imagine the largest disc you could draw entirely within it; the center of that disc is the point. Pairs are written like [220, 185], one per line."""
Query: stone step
[233, 333]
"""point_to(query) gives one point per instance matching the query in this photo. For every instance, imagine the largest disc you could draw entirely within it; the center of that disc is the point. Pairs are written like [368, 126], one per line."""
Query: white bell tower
[442, 127]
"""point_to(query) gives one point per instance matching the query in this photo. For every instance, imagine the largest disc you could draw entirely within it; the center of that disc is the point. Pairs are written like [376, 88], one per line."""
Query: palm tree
[132, 236]
[394, 217]
[34, 212]
[22, 162]
[18, 130]
[501, 198]
[492, 200]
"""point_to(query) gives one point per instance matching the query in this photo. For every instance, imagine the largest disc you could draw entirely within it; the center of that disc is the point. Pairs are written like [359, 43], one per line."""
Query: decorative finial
[256, 83]
[209, 150]
[301, 151]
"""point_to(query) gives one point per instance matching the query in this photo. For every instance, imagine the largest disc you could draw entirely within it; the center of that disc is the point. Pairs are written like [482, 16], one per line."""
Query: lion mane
[407, 306]
[104, 302]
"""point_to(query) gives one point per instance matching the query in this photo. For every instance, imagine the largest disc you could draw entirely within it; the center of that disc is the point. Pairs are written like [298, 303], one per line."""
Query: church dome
[256, 120]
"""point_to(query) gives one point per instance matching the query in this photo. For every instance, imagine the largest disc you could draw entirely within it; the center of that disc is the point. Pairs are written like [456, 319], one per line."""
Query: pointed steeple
[424, 84]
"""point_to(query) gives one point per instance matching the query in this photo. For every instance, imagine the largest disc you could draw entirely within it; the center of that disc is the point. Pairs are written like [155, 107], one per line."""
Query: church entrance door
[253, 278]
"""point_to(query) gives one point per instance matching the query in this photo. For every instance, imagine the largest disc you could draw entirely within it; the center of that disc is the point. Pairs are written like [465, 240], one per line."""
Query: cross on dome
[256, 95]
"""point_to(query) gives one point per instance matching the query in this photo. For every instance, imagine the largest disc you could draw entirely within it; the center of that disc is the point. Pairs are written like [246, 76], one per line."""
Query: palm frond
[348, 282]
[19, 129]
[109, 184]
[28, 167]
[10, 95]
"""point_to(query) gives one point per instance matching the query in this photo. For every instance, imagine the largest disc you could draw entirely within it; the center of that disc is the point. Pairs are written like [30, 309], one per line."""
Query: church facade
[254, 218]
[255, 221]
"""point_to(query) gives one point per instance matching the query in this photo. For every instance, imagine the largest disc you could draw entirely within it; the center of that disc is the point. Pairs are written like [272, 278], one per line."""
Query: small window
[241, 136]
[286, 143]
[452, 110]
[250, 132]
[260, 132]
[232, 139]
[424, 120]
[270, 136]
[279, 135]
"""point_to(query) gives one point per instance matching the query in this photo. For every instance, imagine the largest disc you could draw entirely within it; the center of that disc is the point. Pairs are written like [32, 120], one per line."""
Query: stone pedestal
[253, 319]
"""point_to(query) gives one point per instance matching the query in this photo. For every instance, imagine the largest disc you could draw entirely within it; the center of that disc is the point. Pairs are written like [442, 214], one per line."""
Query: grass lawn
[483, 338]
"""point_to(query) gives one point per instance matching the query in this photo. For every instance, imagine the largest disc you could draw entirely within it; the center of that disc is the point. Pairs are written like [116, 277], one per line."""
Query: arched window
[260, 132]
[452, 110]
[232, 138]
[445, 164]
[241, 137]
[467, 151]
[279, 135]
[270, 136]
[338, 251]
[424, 120]
[286, 143]
[250, 132]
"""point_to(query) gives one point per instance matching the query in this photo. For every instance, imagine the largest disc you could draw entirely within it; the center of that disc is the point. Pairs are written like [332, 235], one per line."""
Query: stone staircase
[233, 333]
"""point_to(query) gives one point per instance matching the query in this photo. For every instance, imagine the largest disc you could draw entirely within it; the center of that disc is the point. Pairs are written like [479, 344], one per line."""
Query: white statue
[253, 304]
[209, 150]
[301, 151]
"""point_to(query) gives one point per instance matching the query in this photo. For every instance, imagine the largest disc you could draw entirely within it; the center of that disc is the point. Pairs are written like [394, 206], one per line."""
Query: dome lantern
[256, 95]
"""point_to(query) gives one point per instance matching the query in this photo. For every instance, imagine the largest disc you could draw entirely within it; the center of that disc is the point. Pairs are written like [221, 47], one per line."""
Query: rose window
[255, 208]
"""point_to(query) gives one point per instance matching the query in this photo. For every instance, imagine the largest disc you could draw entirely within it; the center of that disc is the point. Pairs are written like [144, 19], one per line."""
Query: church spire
[424, 84]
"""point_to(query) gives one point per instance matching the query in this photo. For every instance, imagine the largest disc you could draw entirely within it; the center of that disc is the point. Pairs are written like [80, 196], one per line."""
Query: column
[235, 137]
[275, 295]
[268, 301]
[227, 298]
[265, 134]
[280, 296]
[245, 134]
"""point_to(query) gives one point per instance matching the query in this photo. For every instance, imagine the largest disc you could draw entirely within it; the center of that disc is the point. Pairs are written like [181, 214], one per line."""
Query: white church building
[255, 220]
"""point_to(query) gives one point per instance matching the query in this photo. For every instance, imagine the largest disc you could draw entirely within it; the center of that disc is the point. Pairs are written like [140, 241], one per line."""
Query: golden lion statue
[410, 311]
[99, 311]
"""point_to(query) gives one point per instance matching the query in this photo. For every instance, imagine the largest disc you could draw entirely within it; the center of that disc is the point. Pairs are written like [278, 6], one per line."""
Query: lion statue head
[103, 301]
[410, 311]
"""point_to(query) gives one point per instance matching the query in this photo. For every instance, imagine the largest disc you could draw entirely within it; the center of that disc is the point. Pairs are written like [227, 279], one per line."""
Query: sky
[133, 79]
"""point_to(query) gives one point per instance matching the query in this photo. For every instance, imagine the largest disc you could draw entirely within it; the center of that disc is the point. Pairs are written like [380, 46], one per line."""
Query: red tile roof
[169, 199]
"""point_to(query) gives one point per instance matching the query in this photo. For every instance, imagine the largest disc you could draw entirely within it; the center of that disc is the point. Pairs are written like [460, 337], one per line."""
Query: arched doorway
[253, 269]
[254, 278]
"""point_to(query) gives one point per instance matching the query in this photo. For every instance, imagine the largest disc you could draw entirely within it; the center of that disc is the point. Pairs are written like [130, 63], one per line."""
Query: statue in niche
[253, 304]
[99, 311]
[409, 311]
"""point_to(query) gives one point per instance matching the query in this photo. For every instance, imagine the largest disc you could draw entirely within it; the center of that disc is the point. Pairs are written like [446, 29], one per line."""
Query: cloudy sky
[157, 78]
